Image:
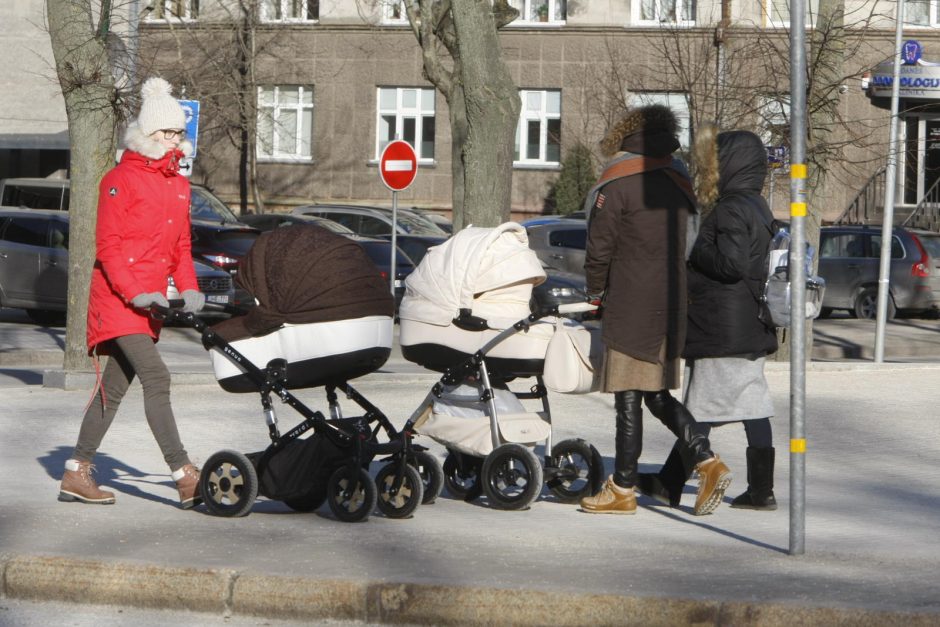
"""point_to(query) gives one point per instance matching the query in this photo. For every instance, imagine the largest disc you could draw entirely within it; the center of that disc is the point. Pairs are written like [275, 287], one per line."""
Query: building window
[406, 113]
[778, 12]
[655, 12]
[179, 9]
[774, 120]
[540, 11]
[285, 122]
[679, 104]
[290, 10]
[538, 134]
[921, 13]
[393, 12]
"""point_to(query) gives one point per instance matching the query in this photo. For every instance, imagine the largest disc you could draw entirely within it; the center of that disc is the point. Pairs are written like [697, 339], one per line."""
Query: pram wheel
[402, 502]
[348, 505]
[461, 474]
[511, 476]
[229, 484]
[308, 502]
[431, 475]
[569, 470]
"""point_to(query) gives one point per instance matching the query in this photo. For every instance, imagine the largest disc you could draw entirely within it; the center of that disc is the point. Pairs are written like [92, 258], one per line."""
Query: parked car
[560, 244]
[207, 207]
[270, 221]
[416, 246]
[34, 266]
[380, 252]
[849, 261]
[35, 193]
[442, 222]
[374, 221]
[559, 288]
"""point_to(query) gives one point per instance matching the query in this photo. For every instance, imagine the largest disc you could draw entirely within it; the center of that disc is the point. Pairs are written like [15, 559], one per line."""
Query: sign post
[191, 109]
[398, 166]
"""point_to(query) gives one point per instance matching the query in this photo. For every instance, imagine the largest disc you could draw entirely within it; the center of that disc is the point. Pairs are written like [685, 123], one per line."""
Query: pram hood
[303, 274]
[474, 261]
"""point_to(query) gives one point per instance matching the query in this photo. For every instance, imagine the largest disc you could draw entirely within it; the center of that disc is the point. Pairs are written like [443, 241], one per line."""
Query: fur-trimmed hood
[134, 139]
[649, 130]
[728, 162]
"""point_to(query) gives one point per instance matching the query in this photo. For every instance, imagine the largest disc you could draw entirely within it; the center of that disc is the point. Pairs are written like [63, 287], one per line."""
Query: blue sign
[777, 156]
[911, 51]
[191, 109]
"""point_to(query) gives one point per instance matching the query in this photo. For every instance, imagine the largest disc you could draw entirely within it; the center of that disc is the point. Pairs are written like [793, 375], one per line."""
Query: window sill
[286, 160]
[536, 24]
[521, 165]
[428, 164]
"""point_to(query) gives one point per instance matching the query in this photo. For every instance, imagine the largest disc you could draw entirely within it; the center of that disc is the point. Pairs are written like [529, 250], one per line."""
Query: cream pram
[466, 313]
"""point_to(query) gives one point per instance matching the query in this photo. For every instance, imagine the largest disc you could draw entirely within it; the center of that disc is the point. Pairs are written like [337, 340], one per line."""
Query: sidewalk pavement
[871, 524]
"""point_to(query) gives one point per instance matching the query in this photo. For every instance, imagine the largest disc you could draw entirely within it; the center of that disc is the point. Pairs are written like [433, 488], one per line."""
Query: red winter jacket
[142, 237]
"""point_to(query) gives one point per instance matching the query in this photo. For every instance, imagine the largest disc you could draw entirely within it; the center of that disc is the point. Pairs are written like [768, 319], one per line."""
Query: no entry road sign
[398, 165]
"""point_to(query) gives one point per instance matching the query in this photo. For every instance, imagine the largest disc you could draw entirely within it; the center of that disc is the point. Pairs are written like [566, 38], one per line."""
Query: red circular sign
[398, 165]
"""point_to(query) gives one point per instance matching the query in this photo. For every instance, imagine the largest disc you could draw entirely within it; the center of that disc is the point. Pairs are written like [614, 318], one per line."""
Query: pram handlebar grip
[576, 307]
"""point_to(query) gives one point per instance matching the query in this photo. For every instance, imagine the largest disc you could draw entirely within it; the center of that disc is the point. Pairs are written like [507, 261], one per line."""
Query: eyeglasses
[172, 133]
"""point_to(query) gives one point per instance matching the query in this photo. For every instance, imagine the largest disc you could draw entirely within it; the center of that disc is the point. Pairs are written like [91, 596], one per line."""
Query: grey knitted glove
[193, 301]
[145, 300]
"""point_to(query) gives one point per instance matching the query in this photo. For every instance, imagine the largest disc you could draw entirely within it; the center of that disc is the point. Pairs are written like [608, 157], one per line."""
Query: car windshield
[380, 253]
[237, 242]
[415, 224]
[55, 196]
[206, 206]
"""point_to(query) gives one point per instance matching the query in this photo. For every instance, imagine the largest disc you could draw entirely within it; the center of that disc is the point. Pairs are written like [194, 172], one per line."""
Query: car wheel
[46, 317]
[866, 305]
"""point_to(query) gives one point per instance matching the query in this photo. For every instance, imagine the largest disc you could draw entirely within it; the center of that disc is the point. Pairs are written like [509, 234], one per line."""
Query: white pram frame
[510, 475]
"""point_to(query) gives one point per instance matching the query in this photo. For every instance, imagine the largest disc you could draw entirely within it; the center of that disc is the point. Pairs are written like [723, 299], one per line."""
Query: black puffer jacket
[726, 268]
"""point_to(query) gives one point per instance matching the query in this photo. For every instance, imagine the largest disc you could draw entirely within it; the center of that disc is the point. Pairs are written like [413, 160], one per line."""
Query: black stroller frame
[229, 481]
[511, 476]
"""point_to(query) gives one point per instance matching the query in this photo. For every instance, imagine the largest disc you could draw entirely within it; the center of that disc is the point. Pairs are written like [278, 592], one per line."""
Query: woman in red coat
[142, 237]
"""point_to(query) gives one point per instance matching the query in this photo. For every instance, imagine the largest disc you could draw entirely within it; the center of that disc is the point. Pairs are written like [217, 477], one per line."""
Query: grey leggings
[133, 355]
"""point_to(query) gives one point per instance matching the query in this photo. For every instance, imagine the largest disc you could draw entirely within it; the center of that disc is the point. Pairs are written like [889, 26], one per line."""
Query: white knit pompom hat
[158, 108]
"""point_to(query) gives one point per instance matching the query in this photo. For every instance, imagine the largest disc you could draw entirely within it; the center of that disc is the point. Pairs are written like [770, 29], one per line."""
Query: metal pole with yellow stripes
[797, 265]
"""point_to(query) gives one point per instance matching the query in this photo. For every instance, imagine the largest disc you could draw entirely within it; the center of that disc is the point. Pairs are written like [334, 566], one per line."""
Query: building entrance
[921, 156]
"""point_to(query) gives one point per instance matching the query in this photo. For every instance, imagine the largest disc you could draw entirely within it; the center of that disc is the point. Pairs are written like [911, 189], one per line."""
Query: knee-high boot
[628, 441]
[760, 481]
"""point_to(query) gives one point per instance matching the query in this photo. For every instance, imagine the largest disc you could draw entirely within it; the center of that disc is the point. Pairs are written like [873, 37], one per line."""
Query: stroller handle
[576, 307]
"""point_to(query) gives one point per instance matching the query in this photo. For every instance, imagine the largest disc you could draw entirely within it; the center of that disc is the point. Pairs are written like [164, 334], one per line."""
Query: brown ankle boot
[187, 484]
[77, 485]
[612, 499]
[713, 479]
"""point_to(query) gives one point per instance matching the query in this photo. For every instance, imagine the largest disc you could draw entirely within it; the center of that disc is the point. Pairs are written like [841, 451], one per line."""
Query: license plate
[217, 298]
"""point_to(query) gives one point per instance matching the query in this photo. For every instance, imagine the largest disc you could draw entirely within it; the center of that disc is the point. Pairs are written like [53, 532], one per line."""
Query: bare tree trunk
[84, 73]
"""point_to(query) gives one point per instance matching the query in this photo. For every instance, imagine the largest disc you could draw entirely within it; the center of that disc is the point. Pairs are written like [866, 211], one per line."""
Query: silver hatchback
[849, 261]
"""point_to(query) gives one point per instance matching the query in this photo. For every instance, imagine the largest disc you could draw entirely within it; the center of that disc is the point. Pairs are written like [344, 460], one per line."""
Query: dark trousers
[133, 355]
[629, 434]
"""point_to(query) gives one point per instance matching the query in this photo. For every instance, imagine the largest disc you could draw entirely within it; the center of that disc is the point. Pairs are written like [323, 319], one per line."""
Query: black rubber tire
[511, 477]
[575, 458]
[866, 304]
[825, 312]
[309, 502]
[459, 483]
[351, 507]
[432, 476]
[406, 501]
[229, 484]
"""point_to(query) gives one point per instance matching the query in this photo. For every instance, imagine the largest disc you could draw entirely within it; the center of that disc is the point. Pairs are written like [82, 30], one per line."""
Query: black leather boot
[666, 486]
[760, 481]
[628, 442]
[680, 421]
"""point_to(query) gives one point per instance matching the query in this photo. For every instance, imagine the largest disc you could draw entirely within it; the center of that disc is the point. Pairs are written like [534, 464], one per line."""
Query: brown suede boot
[713, 479]
[77, 485]
[187, 484]
[612, 499]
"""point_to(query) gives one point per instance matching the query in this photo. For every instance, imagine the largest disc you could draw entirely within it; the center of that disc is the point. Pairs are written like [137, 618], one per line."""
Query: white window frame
[933, 15]
[278, 152]
[285, 6]
[774, 111]
[389, 8]
[419, 113]
[636, 15]
[783, 21]
[528, 12]
[161, 10]
[542, 115]
[679, 103]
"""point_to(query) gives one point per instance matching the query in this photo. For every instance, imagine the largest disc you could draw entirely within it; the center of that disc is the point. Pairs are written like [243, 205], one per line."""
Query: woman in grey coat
[726, 342]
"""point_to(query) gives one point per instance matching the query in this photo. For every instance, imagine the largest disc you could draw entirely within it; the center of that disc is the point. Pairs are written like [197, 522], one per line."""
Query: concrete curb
[228, 592]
